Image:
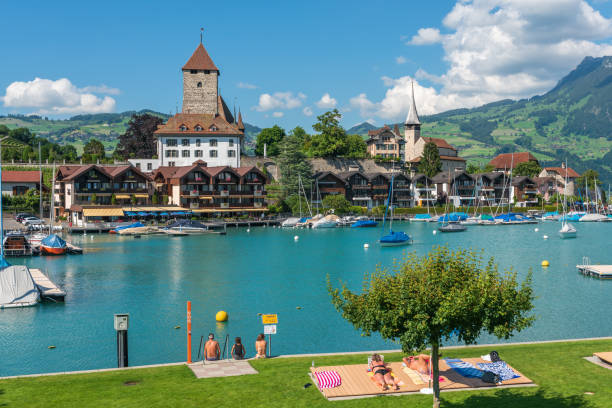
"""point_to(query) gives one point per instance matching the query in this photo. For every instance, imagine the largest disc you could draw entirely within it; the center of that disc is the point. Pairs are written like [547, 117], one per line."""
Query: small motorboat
[421, 218]
[16, 244]
[194, 227]
[593, 217]
[124, 227]
[290, 222]
[395, 239]
[53, 245]
[452, 227]
[329, 221]
[364, 224]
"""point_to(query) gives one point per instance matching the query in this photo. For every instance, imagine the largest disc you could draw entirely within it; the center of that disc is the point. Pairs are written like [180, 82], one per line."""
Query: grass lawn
[562, 375]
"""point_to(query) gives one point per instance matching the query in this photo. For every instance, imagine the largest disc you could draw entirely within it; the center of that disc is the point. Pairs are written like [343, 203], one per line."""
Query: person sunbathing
[418, 363]
[382, 373]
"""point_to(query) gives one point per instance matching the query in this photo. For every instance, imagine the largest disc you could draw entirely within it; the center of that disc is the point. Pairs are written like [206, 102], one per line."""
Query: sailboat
[52, 244]
[450, 222]
[567, 230]
[396, 238]
[292, 222]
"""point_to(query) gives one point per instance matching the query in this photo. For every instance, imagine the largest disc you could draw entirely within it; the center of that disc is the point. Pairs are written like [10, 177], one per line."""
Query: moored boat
[16, 244]
[290, 222]
[329, 221]
[194, 227]
[364, 224]
[53, 245]
[452, 227]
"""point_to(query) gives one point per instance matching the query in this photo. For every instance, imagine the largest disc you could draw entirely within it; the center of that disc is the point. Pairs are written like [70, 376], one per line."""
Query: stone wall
[200, 99]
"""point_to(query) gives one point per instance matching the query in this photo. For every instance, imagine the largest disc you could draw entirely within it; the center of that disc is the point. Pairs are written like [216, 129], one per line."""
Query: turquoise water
[266, 271]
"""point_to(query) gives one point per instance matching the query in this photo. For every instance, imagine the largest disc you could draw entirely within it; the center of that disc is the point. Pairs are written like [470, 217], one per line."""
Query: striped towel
[328, 379]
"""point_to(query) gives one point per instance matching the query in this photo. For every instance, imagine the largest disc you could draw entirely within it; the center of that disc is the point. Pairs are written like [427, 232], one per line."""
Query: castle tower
[200, 83]
[412, 129]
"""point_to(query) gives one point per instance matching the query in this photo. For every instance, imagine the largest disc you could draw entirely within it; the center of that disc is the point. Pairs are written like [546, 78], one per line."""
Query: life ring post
[189, 332]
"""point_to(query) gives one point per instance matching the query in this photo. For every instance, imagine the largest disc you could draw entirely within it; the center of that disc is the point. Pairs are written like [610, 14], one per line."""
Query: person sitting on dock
[260, 346]
[212, 351]
[238, 351]
[382, 373]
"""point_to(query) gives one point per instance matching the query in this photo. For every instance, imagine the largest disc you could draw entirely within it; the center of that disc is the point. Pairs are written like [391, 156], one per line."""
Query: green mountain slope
[361, 129]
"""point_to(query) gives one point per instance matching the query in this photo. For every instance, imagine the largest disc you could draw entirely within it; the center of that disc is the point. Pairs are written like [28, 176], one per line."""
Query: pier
[47, 289]
[598, 271]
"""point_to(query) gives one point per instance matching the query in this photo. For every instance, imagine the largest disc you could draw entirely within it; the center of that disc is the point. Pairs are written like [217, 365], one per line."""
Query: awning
[220, 210]
[141, 195]
[102, 212]
[122, 196]
[206, 198]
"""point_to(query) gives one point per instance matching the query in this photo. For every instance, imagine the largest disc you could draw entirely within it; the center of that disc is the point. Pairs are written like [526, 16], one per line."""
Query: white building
[205, 129]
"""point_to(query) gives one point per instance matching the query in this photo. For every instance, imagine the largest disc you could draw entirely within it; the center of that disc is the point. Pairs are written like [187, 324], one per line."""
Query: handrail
[225, 352]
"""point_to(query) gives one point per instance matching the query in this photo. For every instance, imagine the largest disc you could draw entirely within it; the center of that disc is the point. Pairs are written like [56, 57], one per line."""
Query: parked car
[32, 221]
[20, 216]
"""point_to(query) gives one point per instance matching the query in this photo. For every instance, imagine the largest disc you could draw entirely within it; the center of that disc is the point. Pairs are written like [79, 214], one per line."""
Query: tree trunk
[435, 368]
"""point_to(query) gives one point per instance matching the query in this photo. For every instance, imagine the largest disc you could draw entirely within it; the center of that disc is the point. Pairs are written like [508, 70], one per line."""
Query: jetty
[598, 271]
[47, 289]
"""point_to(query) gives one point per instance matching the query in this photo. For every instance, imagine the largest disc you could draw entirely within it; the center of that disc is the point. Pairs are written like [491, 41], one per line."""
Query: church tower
[412, 129]
[200, 83]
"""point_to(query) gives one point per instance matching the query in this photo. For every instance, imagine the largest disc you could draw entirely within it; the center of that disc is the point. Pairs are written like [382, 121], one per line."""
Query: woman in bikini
[382, 374]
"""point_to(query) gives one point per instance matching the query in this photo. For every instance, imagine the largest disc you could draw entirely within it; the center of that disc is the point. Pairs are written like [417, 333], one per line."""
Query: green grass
[562, 375]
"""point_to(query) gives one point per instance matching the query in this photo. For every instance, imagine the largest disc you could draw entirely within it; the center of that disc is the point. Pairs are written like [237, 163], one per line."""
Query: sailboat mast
[40, 181]
[51, 206]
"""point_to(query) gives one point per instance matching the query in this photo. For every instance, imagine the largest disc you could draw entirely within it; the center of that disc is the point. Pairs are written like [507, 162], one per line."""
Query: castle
[205, 130]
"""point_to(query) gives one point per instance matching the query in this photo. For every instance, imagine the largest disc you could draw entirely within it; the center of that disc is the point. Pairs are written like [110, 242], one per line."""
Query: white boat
[329, 221]
[470, 221]
[592, 218]
[35, 239]
[290, 222]
[308, 222]
[567, 231]
[17, 288]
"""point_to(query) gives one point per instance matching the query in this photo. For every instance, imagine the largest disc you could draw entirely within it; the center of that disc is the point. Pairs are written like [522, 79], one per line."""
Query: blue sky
[285, 63]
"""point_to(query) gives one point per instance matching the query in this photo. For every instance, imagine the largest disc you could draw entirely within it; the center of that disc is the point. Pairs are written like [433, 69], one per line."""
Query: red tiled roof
[453, 158]
[571, 173]
[200, 60]
[71, 172]
[190, 120]
[438, 142]
[505, 160]
[19, 176]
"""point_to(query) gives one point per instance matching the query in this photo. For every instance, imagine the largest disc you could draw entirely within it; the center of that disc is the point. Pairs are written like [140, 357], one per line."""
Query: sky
[286, 62]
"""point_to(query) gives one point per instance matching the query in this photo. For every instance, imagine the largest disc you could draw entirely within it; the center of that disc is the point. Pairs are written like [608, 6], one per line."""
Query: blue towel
[500, 368]
[463, 368]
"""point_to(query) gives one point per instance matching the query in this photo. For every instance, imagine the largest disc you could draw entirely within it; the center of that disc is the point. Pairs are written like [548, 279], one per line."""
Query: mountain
[105, 127]
[361, 129]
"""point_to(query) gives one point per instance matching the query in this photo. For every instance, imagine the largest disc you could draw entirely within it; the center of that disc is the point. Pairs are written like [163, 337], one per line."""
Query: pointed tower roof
[413, 116]
[200, 60]
[240, 123]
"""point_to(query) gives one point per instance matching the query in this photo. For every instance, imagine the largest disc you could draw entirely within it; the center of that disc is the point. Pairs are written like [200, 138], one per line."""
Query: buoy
[248, 230]
[545, 237]
[536, 230]
[545, 263]
[177, 327]
[51, 347]
[221, 316]
[298, 307]
[366, 246]
[296, 238]
[434, 232]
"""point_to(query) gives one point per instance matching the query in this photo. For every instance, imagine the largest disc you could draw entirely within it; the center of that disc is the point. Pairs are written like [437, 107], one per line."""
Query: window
[213, 142]
[171, 153]
[231, 143]
[199, 84]
[182, 128]
[198, 141]
[213, 153]
[185, 153]
[185, 142]
[138, 165]
[198, 128]
[198, 153]
[193, 71]
[231, 153]
[213, 128]
[171, 164]
[149, 166]
[116, 186]
[171, 142]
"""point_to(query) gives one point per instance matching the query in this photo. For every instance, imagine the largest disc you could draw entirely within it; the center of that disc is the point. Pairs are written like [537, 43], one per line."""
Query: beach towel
[500, 368]
[463, 368]
[328, 379]
[414, 376]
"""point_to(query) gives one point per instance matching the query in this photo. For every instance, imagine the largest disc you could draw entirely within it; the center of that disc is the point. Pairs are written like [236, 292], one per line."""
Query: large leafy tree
[271, 138]
[330, 141]
[528, 168]
[337, 202]
[138, 140]
[93, 150]
[425, 301]
[430, 163]
[292, 162]
[355, 147]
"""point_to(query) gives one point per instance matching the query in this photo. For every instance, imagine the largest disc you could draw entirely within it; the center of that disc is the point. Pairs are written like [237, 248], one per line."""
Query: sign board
[270, 329]
[269, 319]
[121, 321]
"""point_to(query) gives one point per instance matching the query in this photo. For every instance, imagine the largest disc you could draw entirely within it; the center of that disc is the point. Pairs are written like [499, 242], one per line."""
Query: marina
[598, 271]
[48, 290]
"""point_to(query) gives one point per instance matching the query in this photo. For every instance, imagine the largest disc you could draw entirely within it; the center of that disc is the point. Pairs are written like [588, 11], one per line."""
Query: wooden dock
[598, 271]
[47, 289]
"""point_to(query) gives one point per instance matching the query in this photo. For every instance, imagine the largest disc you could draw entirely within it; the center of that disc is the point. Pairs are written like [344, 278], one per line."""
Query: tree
[589, 179]
[430, 164]
[528, 168]
[271, 138]
[138, 139]
[355, 147]
[94, 198]
[330, 141]
[93, 150]
[292, 163]
[427, 300]
[338, 202]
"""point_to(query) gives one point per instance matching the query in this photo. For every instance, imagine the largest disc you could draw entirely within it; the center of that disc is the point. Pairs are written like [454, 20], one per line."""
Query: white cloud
[426, 36]
[278, 114]
[497, 49]
[58, 97]
[307, 111]
[279, 100]
[400, 60]
[326, 102]
[246, 85]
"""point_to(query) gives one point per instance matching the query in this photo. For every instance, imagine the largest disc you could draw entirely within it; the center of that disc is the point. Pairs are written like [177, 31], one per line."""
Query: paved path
[221, 368]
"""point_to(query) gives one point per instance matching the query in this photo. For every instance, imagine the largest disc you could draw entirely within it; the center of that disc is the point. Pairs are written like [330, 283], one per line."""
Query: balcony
[360, 186]
[257, 204]
[224, 193]
[194, 205]
[258, 193]
[224, 205]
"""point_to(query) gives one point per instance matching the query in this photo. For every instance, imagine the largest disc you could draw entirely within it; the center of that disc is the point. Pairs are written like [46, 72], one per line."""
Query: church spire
[240, 124]
[413, 116]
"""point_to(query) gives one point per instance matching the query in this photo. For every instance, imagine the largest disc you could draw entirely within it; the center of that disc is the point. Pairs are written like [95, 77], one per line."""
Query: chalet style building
[524, 191]
[415, 143]
[19, 182]
[558, 175]
[386, 143]
[508, 161]
[217, 189]
[205, 129]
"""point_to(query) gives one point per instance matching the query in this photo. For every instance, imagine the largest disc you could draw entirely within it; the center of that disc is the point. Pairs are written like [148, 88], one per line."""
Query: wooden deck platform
[357, 383]
[605, 357]
[47, 289]
[598, 271]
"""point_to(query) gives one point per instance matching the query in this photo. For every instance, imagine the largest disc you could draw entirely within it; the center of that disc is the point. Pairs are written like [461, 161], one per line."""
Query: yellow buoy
[545, 263]
[51, 347]
[221, 316]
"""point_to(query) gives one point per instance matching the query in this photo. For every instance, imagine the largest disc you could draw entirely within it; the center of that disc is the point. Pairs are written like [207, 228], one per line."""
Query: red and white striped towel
[328, 379]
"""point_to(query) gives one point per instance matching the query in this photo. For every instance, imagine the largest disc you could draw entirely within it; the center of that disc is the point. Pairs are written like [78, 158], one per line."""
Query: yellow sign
[269, 319]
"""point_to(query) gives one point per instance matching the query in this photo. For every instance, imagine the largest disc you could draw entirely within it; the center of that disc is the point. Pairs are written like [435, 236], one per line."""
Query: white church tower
[412, 129]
